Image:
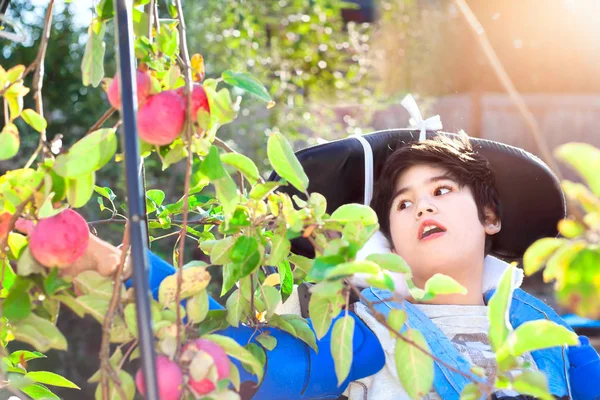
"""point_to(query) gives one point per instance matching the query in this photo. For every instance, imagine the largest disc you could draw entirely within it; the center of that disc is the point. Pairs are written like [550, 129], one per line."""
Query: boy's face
[434, 224]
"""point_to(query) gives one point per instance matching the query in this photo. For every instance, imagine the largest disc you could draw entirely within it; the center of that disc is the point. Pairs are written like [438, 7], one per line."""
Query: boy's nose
[425, 207]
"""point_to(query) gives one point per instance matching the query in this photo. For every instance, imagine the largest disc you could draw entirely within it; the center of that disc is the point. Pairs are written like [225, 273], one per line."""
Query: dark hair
[455, 155]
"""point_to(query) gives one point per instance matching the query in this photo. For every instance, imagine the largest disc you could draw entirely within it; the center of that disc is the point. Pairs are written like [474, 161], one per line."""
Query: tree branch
[381, 319]
[38, 78]
[108, 371]
[102, 120]
[188, 170]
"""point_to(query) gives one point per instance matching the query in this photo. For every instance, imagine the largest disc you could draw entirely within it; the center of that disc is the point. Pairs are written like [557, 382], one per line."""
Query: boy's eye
[403, 204]
[442, 191]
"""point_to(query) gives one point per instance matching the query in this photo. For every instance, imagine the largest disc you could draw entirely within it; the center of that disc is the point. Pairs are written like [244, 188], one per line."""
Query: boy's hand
[100, 256]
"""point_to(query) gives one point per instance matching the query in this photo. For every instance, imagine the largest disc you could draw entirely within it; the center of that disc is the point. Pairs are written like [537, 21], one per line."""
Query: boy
[446, 208]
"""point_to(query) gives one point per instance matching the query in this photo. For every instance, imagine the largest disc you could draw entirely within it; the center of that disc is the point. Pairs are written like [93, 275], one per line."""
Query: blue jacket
[573, 372]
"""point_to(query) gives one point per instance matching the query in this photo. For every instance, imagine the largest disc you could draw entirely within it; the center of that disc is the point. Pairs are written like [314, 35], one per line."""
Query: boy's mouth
[430, 229]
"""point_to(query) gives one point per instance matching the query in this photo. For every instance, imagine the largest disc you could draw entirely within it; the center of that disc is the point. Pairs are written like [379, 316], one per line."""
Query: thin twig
[128, 353]
[381, 319]
[508, 85]
[188, 170]
[102, 120]
[108, 371]
[38, 78]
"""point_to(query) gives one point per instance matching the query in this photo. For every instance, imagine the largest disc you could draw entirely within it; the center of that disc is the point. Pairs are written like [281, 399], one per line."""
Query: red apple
[170, 379]
[60, 240]
[219, 358]
[161, 119]
[199, 100]
[143, 90]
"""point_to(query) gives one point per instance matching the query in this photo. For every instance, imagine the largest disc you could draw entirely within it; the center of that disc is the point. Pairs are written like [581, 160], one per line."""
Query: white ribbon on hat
[430, 124]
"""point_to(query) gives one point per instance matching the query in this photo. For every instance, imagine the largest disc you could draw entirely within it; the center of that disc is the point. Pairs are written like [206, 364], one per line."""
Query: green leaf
[42, 334]
[470, 392]
[92, 64]
[498, 307]
[390, 262]
[92, 283]
[260, 190]
[50, 378]
[585, 159]
[272, 299]
[235, 305]
[243, 164]
[105, 192]
[224, 185]
[284, 162]
[247, 82]
[303, 263]
[246, 254]
[17, 305]
[222, 110]
[267, 341]
[233, 349]
[80, 189]
[538, 253]
[322, 310]
[87, 155]
[443, 284]
[140, 22]
[570, 228]
[197, 307]
[154, 199]
[414, 368]
[168, 40]
[53, 283]
[220, 253]
[35, 120]
[559, 262]
[14, 74]
[38, 391]
[533, 383]
[280, 248]
[9, 142]
[537, 335]
[341, 347]
[355, 213]
[105, 10]
[354, 267]
[16, 356]
[17, 243]
[72, 303]
[396, 319]
[303, 330]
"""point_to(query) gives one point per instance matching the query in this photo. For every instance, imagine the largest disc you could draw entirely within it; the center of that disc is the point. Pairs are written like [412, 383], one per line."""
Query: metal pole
[135, 195]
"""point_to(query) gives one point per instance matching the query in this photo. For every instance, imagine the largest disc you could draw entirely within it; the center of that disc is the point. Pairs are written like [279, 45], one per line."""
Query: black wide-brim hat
[531, 198]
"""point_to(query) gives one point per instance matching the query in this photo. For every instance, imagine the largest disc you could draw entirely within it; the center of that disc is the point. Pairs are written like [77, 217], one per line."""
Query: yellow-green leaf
[284, 162]
[89, 154]
[42, 334]
[355, 213]
[341, 347]
[80, 189]
[536, 335]
[50, 378]
[585, 159]
[92, 64]
[9, 142]
[247, 82]
[414, 368]
[195, 280]
[391, 262]
[538, 253]
[533, 383]
[498, 307]
[443, 284]
[243, 164]
[35, 120]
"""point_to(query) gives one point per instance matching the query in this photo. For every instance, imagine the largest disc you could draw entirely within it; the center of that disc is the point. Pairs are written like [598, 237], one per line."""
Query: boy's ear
[492, 222]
